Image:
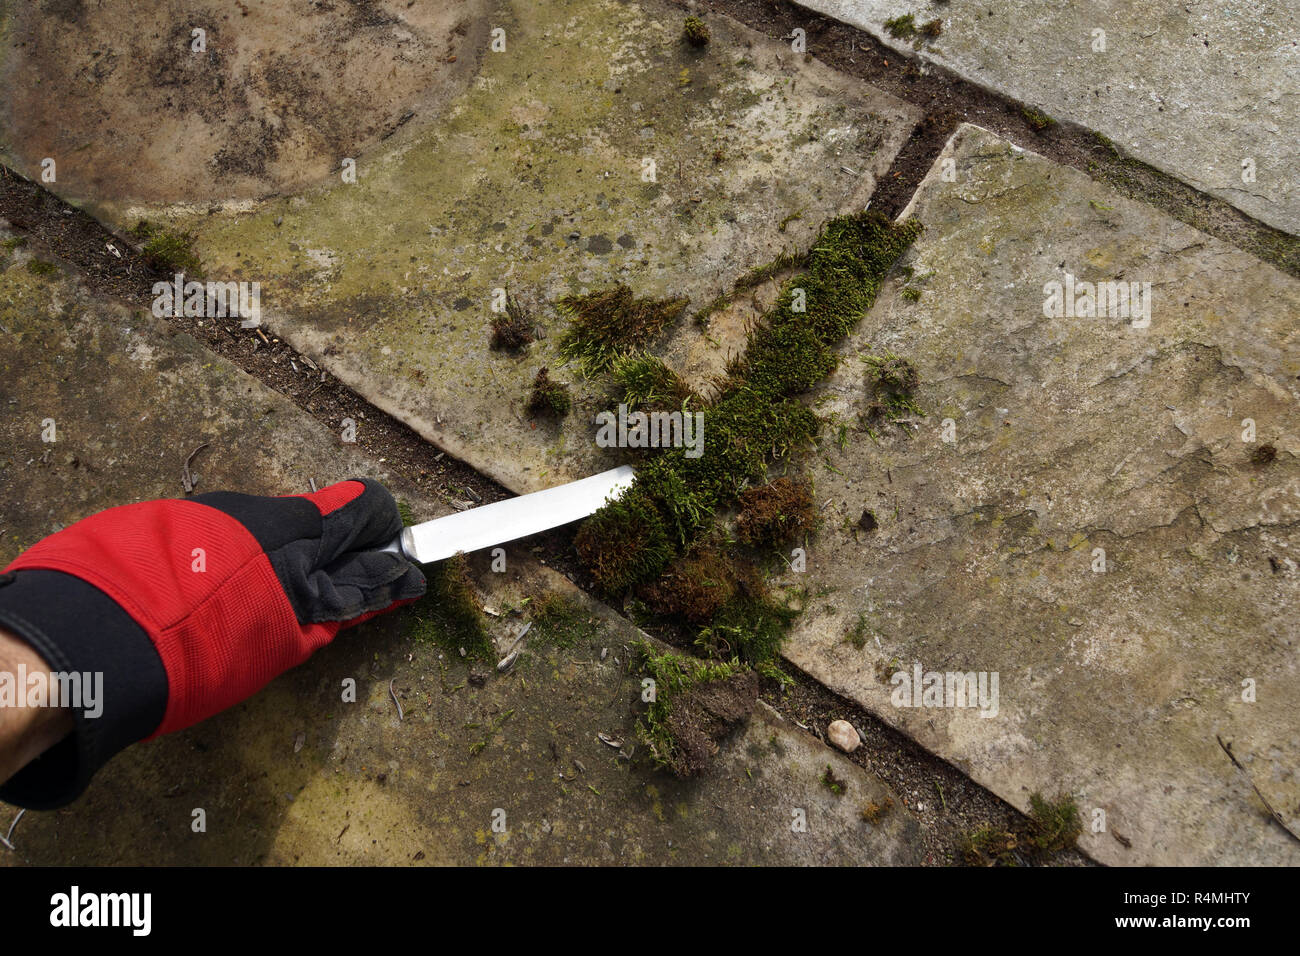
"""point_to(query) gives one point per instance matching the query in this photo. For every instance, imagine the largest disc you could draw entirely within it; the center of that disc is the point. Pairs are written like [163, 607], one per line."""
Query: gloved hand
[188, 606]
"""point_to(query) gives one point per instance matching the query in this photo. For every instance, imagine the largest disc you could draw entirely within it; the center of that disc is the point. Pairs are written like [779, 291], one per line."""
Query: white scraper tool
[513, 518]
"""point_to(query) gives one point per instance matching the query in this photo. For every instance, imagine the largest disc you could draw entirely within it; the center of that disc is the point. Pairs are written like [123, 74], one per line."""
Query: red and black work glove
[188, 606]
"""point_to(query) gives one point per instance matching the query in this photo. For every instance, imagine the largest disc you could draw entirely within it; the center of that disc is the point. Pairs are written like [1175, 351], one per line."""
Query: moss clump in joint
[695, 587]
[988, 846]
[625, 542]
[1055, 824]
[548, 397]
[756, 418]
[1038, 120]
[774, 514]
[751, 624]
[167, 251]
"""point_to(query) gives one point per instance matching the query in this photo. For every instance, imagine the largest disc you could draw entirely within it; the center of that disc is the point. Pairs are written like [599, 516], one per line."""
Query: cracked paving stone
[294, 775]
[1076, 513]
[1202, 90]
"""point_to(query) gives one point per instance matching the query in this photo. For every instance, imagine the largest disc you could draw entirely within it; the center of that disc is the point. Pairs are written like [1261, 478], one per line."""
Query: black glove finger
[368, 521]
[356, 584]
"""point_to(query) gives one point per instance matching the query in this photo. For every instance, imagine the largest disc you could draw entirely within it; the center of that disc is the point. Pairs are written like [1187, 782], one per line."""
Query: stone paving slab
[1193, 88]
[1073, 436]
[532, 182]
[262, 98]
[294, 775]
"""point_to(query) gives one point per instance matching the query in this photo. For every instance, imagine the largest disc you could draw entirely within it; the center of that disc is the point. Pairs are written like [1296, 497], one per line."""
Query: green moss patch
[39, 267]
[1052, 826]
[901, 28]
[548, 397]
[696, 705]
[611, 322]
[756, 419]
[891, 389]
[1055, 824]
[450, 614]
[563, 621]
[906, 28]
[1037, 119]
[776, 513]
[834, 784]
[167, 251]
[752, 625]
[695, 32]
[648, 383]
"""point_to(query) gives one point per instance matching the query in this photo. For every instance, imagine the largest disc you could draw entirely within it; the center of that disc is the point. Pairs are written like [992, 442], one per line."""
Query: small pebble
[843, 735]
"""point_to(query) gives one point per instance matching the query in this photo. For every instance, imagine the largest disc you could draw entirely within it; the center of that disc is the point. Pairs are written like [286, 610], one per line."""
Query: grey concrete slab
[295, 774]
[205, 100]
[1077, 513]
[597, 148]
[1196, 89]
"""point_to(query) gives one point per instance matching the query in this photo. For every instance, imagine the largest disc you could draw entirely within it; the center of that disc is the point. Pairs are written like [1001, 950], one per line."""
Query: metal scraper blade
[513, 518]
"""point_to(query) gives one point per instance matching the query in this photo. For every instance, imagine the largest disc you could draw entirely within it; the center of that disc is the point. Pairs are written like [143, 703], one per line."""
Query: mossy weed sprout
[548, 397]
[901, 28]
[512, 329]
[756, 419]
[167, 251]
[606, 324]
[834, 784]
[696, 32]
[696, 704]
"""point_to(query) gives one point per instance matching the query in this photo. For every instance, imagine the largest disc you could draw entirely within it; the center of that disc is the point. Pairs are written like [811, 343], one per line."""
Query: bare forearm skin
[26, 732]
